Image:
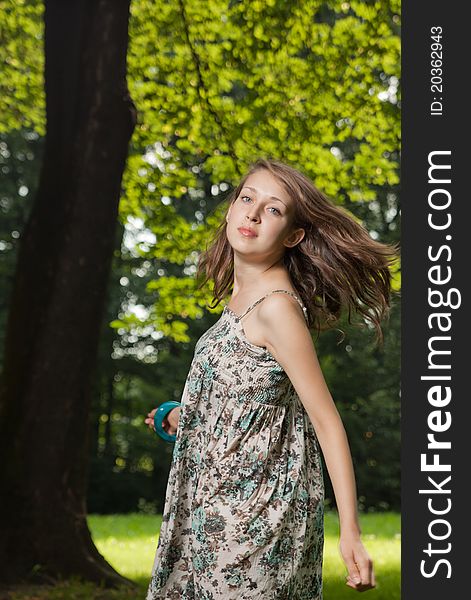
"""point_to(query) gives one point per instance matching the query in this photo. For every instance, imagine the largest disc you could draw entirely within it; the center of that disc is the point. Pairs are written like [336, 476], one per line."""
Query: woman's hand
[169, 423]
[150, 419]
[361, 575]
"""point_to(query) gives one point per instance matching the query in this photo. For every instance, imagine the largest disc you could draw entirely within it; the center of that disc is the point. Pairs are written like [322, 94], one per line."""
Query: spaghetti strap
[273, 292]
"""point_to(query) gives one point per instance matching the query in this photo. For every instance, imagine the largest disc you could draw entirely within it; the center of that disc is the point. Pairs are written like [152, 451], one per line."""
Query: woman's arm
[289, 340]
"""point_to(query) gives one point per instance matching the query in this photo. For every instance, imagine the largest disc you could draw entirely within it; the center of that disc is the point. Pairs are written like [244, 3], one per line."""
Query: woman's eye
[270, 208]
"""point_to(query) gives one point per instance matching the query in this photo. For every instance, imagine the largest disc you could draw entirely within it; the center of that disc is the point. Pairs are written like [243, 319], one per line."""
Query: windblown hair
[337, 266]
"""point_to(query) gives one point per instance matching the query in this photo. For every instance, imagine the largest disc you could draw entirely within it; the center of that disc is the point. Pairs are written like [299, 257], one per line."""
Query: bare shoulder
[286, 334]
[279, 312]
[280, 307]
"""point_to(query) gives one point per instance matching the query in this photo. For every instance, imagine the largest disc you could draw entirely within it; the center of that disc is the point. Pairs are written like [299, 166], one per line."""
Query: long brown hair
[336, 266]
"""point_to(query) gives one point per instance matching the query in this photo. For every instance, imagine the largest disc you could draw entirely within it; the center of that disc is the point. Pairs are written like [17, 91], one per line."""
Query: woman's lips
[247, 232]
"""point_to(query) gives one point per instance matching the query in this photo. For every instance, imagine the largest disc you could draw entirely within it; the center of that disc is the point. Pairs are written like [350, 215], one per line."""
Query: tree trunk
[59, 297]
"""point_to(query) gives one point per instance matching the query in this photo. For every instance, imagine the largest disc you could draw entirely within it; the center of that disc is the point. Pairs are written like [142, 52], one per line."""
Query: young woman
[244, 509]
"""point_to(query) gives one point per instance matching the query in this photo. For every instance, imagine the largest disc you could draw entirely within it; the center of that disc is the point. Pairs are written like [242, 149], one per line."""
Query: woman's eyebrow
[256, 191]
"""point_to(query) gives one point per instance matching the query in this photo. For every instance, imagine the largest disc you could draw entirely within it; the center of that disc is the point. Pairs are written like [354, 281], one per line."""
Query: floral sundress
[244, 509]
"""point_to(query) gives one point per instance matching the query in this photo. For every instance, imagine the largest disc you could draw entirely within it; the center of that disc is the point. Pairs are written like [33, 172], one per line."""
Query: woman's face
[264, 207]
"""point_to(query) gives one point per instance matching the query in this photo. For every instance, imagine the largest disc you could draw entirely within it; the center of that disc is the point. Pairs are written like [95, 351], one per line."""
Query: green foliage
[22, 98]
[217, 84]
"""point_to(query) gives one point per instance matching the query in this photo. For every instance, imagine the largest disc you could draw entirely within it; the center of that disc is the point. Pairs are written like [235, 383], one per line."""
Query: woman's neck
[249, 277]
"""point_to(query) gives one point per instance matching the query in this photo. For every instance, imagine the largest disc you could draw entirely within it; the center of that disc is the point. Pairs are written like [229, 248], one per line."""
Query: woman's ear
[294, 238]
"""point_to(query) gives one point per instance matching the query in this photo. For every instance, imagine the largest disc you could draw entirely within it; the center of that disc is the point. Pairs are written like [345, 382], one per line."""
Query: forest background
[211, 86]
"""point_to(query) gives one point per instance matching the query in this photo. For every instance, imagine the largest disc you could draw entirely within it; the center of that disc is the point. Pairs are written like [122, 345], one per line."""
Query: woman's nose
[252, 216]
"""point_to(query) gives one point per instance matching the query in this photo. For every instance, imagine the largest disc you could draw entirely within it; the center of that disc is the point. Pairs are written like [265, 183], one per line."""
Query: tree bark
[59, 297]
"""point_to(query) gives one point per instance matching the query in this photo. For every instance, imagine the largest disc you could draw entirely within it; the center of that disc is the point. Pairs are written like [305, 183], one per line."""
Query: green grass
[129, 542]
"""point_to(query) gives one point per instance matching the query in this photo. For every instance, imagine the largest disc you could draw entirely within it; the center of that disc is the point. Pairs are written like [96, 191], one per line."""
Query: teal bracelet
[160, 415]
